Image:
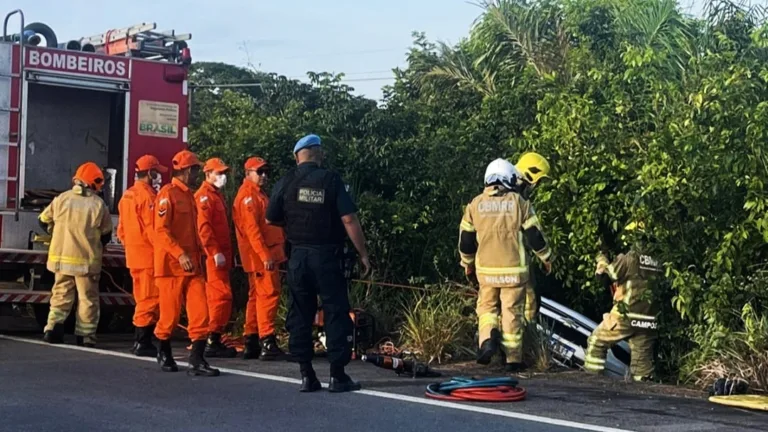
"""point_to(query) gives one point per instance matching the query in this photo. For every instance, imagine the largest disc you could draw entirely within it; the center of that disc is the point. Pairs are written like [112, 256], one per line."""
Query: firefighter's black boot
[165, 357]
[270, 350]
[55, 336]
[197, 364]
[215, 348]
[309, 381]
[252, 348]
[489, 347]
[144, 347]
[515, 367]
[87, 342]
[341, 382]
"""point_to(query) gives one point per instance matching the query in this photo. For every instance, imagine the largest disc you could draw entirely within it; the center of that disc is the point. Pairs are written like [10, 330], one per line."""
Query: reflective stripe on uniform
[488, 319]
[531, 222]
[502, 270]
[467, 259]
[466, 226]
[521, 249]
[45, 219]
[512, 340]
[612, 272]
[640, 316]
[71, 260]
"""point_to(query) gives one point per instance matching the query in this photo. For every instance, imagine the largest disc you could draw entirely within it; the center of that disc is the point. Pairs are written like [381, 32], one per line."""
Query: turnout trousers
[88, 307]
[263, 301]
[612, 330]
[146, 296]
[509, 305]
[178, 290]
[218, 291]
[313, 272]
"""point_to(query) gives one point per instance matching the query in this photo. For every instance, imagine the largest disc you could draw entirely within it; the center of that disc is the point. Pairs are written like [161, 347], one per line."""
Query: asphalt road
[45, 387]
[50, 388]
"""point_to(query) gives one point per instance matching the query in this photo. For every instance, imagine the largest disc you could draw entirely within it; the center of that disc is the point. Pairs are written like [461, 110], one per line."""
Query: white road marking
[385, 395]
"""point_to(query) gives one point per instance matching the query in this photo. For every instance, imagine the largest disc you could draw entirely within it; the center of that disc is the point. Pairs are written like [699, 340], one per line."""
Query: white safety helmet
[503, 171]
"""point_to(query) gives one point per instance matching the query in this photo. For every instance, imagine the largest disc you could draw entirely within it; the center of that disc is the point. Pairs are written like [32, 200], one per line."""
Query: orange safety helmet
[254, 163]
[91, 175]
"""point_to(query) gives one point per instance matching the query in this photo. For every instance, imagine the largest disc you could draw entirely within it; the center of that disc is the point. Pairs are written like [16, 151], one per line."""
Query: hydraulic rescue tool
[401, 366]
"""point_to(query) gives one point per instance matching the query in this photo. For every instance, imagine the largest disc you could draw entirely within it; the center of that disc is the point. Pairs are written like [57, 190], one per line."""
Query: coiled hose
[502, 389]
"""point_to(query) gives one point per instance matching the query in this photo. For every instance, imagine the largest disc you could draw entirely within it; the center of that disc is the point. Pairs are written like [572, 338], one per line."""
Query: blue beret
[306, 142]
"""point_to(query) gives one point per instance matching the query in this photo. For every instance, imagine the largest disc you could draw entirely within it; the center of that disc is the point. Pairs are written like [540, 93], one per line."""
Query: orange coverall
[213, 226]
[175, 234]
[135, 230]
[258, 242]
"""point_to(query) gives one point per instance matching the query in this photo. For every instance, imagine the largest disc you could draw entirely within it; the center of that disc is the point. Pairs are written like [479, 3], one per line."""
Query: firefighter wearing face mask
[530, 169]
[213, 225]
[494, 232]
[633, 316]
[81, 226]
[135, 230]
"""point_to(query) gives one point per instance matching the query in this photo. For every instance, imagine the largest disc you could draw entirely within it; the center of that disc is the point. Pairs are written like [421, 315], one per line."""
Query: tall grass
[735, 354]
[439, 326]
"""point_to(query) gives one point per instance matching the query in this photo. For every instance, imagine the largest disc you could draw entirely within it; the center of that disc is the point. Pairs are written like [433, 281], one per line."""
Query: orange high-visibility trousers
[174, 290]
[219, 293]
[146, 296]
[263, 300]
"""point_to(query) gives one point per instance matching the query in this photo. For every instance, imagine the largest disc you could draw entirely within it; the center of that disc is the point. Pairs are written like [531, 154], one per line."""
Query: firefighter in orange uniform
[178, 267]
[135, 231]
[262, 250]
[213, 226]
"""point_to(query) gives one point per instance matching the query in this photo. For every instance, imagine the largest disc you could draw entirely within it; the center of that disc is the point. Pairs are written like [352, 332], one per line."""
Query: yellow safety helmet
[533, 167]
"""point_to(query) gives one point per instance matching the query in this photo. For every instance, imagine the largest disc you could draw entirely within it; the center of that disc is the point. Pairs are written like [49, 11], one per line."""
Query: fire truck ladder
[6, 72]
[140, 41]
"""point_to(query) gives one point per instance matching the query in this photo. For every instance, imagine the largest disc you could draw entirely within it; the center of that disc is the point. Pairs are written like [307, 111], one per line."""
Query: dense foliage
[644, 113]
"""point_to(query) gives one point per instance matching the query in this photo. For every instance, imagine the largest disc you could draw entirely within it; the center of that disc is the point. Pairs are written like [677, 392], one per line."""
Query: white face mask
[157, 182]
[221, 180]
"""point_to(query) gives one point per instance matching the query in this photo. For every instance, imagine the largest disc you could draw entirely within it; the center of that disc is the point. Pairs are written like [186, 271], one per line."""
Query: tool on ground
[401, 366]
[500, 389]
[729, 386]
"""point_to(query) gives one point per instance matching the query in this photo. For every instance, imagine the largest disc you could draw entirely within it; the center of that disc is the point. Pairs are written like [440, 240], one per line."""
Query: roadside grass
[735, 354]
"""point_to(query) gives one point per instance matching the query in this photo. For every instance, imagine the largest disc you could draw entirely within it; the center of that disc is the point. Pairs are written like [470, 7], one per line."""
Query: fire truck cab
[110, 99]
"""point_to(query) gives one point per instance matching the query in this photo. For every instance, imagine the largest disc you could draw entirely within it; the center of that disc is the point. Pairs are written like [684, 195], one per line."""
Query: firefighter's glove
[602, 264]
[469, 273]
[219, 260]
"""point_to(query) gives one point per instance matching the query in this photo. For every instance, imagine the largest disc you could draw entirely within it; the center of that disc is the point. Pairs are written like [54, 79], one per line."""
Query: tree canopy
[644, 113]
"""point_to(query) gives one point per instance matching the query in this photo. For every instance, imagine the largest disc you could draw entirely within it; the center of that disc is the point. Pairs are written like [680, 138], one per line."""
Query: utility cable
[502, 389]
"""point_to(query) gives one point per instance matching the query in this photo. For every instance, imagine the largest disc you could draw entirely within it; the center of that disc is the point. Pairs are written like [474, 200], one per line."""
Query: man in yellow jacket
[81, 226]
[494, 232]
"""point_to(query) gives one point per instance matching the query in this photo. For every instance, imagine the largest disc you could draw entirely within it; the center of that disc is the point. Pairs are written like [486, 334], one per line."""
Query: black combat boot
[270, 350]
[55, 336]
[252, 348]
[309, 381]
[144, 347]
[515, 367]
[86, 341]
[197, 364]
[341, 382]
[215, 348]
[165, 357]
[489, 347]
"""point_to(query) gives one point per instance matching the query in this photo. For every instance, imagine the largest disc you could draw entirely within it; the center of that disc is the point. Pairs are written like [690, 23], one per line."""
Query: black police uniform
[310, 202]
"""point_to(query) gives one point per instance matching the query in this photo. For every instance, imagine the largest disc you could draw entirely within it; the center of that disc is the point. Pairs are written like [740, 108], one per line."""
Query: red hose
[462, 389]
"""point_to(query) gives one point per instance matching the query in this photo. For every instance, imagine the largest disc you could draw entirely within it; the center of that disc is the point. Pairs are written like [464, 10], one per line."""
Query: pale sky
[364, 39]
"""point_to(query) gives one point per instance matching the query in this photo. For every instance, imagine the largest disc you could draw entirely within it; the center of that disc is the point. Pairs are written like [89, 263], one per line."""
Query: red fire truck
[109, 98]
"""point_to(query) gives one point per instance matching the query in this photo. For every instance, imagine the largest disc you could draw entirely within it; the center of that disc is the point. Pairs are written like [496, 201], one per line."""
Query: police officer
[316, 211]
